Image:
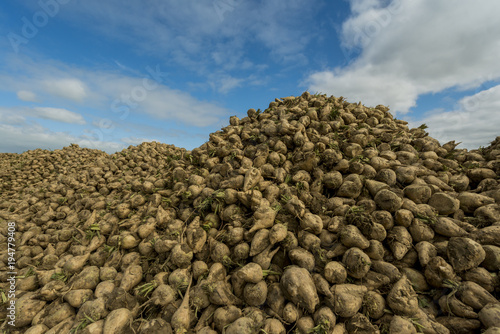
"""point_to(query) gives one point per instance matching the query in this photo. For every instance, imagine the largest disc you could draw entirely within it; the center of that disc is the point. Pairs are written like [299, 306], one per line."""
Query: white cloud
[26, 95]
[115, 95]
[60, 115]
[11, 116]
[18, 115]
[18, 139]
[409, 48]
[136, 141]
[165, 103]
[475, 123]
[71, 89]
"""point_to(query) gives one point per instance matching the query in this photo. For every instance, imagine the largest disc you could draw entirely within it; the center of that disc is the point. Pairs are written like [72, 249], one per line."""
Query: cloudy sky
[109, 74]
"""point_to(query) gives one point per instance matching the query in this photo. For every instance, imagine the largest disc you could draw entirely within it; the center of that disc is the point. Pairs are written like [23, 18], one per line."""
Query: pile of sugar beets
[313, 216]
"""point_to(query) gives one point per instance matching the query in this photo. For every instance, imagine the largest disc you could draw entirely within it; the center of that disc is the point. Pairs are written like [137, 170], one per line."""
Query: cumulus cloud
[59, 114]
[475, 123]
[165, 103]
[136, 141]
[26, 95]
[71, 89]
[407, 48]
[17, 139]
[11, 116]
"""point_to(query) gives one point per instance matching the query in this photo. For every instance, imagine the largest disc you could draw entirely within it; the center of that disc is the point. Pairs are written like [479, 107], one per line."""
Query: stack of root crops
[313, 216]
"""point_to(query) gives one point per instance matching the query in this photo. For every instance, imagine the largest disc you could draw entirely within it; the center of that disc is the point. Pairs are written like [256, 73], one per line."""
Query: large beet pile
[313, 216]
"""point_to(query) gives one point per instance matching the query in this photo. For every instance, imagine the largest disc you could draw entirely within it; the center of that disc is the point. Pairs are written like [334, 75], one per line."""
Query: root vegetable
[428, 324]
[489, 235]
[348, 299]
[437, 271]
[156, 325]
[264, 216]
[255, 294]
[444, 203]
[119, 298]
[312, 223]
[131, 277]
[251, 273]
[351, 236]
[474, 295]
[324, 319]
[264, 258]
[386, 269]
[482, 277]
[252, 178]
[416, 278]
[219, 251]
[27, 308]
[75, 264]
[374, 305]
[459, 325]
[95, 309]
[259, 242]
[356, 262]
[376, 250]
[400, 241]
[179, 279]
[273, 326]
[223, 316]
[220, 294]
[163, 295]
[52, 290]
[199, 268]
[492, 258]
[196, 238]
[296, 207]
[56, 313]
[277, 233]
[62, 327]
[275, 299]
[181, 318]
[464, 253]
[181, 255]
[118, 321]
[302, 258]
[490, 315]
[37, 329]
[420, 231]
[242, 325]
[305, 324]
[322, 285]
[387, 200]
[291, 313]
[76, 298]
[426, 251]
[402, 299]
[401, 325]
[447, 227]
[299, 287]
[453, 306]
[360, 324]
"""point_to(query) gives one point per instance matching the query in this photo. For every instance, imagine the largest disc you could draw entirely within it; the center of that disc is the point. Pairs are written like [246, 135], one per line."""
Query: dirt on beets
[315, 215]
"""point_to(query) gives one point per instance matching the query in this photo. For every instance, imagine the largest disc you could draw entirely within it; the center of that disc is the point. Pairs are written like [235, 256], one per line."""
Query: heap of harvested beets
[313, 216]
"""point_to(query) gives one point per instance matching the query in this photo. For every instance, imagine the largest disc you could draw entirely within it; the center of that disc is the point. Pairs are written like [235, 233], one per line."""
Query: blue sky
[109, 74]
